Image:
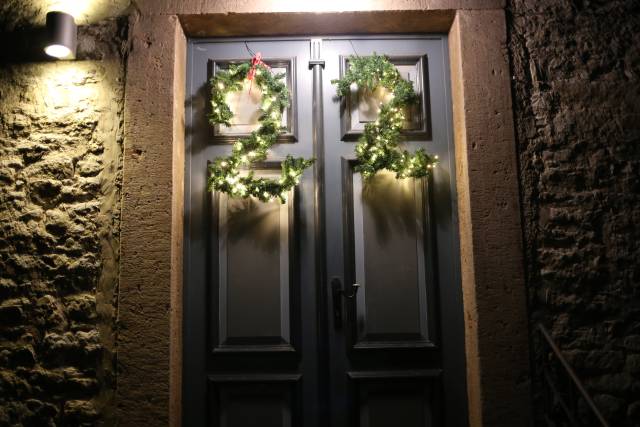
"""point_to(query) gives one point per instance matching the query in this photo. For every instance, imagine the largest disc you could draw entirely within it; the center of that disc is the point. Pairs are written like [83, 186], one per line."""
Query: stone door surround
[492, 273]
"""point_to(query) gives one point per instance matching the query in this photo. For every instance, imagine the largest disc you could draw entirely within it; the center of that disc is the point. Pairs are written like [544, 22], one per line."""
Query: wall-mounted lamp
[62, 34]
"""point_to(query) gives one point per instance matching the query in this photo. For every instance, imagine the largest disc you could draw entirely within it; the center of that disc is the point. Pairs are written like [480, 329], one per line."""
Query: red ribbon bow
[255, 61]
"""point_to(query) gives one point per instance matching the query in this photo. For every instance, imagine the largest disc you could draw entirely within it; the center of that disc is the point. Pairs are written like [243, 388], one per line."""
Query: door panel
[245, 103]
[259, 235]
[275, 333]
[386, 233]
[361, 106]
[269, 401]
[384, 399]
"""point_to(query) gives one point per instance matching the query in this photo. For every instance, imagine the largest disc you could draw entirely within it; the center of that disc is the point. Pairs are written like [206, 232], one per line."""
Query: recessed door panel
[394, 398]
[388, 232]
[362, 106]
[255, 261]
[257, 400]
[245, 103]
[251, 236]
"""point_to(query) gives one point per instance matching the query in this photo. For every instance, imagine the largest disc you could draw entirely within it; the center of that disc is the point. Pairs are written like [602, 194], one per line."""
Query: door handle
[337, 293]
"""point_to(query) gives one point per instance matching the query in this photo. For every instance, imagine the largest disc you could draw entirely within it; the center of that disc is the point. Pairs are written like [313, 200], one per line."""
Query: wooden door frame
[492, 273]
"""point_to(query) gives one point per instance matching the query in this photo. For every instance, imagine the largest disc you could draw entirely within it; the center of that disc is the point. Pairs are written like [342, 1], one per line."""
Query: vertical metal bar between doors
[316, 63]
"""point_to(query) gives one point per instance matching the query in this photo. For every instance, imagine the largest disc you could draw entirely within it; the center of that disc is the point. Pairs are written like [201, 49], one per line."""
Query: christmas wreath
[229, 174]
[377, 148]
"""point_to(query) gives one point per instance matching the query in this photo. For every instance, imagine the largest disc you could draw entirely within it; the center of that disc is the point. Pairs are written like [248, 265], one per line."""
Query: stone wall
[60, 189]
[576, 71]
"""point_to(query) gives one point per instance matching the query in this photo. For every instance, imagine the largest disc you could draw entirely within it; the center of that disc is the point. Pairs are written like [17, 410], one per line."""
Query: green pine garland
[377, 148]
[225, 174]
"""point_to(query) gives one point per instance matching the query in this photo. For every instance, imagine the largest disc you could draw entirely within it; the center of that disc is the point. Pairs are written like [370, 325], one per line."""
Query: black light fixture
[62, 35]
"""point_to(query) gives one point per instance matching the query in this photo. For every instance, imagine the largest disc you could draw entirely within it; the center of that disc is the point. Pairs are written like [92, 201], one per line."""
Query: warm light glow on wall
[85, 11]
[321, 5]
[331, 5]
[67, 88]
[79, 9]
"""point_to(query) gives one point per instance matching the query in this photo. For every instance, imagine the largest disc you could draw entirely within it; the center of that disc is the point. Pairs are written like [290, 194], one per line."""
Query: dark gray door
[270, 337]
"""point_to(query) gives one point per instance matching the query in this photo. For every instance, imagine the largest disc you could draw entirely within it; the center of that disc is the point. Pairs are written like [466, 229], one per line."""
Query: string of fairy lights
[377, 148]
[230, 174]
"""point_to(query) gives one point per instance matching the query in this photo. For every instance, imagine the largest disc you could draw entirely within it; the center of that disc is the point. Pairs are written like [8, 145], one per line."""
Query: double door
[276, 332]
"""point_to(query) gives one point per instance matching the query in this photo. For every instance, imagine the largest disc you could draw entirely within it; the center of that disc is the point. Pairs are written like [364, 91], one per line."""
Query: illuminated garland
[377, 148]
[225, 173]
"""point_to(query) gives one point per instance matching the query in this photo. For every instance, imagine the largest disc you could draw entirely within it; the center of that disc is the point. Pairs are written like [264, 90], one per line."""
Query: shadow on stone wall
[576, 70]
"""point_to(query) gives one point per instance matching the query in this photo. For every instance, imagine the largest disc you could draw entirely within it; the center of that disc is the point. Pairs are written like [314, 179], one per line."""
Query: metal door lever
[336, 293]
